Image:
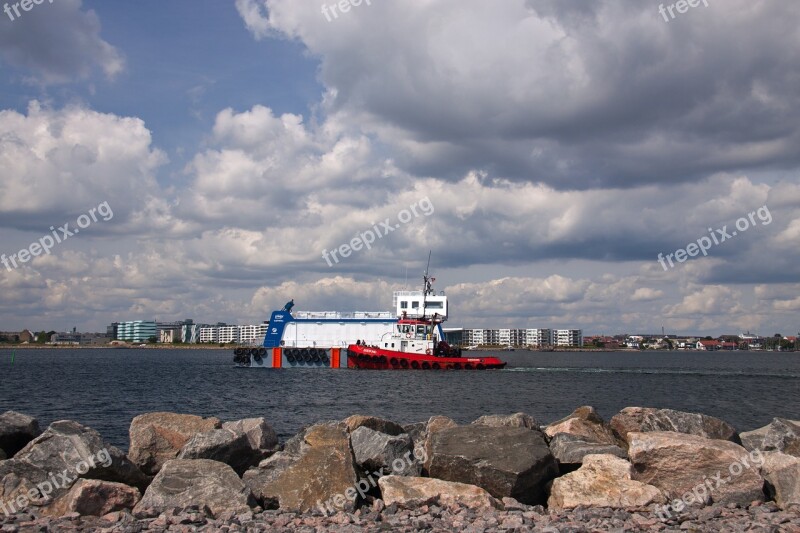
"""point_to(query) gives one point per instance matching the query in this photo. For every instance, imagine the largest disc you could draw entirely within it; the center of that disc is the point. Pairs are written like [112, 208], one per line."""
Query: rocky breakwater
[645, 469]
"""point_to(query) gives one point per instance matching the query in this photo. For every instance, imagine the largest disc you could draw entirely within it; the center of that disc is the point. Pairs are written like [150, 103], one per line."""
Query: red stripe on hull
[364, 357]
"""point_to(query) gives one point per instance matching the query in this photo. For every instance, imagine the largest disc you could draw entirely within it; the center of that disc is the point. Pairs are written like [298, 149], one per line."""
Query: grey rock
[516, 420]
[201, 482]
[241, 444]
[585, 424]
[17, 430]
[3, 456]
[782, 473]
[505, 461]
[570, 450]
[781, 435]
[387, 454]
[70, 449]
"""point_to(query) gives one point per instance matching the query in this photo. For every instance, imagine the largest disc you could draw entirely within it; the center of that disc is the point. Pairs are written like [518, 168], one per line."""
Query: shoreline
[646, 469]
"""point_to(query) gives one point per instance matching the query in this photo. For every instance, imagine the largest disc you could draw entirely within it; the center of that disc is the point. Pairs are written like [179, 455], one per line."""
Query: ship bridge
[410, 304]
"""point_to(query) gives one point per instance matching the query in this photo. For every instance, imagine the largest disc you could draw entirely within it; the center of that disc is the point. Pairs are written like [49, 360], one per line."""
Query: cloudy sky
[559, 145]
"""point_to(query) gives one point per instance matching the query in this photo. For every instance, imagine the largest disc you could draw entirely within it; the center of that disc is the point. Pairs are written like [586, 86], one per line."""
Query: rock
[570, 450]
[780, 435]
[585, 424]
[674, 421]
[3, 456]
[602, 481]
[312, 471]
[417, 432]
[679, 463]
[629, 420]
[504, 461]
[17, 430]
[374, 423]
[782, 473]
[65, 452]
[517, 420]
[158, 437]
[384, 454]
[433, 426]
[201, 482]
[412, 492]
[92, 497]
[239, 444]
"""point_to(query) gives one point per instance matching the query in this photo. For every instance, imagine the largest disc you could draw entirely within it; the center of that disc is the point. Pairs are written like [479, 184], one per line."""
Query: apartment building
[538, 337]
[568, 337]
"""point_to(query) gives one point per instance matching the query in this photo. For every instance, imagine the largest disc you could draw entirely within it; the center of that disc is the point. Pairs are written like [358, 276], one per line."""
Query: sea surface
[106, 388]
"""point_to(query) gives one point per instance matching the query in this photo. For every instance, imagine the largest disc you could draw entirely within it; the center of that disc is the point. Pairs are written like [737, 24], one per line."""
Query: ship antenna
[426, 285]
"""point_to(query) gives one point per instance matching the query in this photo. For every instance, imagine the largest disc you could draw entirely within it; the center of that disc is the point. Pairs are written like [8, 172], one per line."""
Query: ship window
[385, 344]
[404, 305]
[415, 305]
[434, 305]
[392, 345]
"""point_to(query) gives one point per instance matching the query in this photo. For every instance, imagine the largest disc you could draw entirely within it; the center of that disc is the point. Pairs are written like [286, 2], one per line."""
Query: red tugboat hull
[365, 357]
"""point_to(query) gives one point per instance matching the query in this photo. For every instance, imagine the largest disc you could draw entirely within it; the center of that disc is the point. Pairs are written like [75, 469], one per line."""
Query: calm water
[106, 388]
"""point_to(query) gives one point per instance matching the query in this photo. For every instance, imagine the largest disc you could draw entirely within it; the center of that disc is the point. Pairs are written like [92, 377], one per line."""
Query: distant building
[538, 337]
[568, 337]
[223, 333]
[137, 331]
[709, 345]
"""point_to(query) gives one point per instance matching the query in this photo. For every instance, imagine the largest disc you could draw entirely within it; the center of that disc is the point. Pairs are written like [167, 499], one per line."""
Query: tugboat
[407, 338]
[414, 346]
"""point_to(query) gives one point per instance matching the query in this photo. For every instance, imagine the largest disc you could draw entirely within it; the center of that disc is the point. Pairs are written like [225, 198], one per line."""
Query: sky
[208, 159]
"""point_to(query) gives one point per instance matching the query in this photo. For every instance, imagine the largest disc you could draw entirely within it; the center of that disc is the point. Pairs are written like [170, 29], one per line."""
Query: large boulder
[780, 435]
[585, 424]
[158, 437]
[92, 497]
[782, 473]
[48, 465]
[202, 482]
[410, 492]
[570, 450]
[512, 462]
[674, 421]
[316, 469]
[17, 430]
[240, 444]
[383, 454]
[374, 423]
[696, 469]
[516, 420]
[602, 481]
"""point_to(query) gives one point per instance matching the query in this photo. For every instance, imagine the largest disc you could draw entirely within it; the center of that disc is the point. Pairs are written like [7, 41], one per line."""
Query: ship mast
[426, 286]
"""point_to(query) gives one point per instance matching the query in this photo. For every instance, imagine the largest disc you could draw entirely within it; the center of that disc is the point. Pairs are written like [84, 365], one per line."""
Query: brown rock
[585, 424]
[602, 481]
[628, 420]
[434, 425]
[678, 463]
[782, 473]
[201, 482]
[92, 497]
[675, 421]
[411, 492]
[374, 423]
[158, 437]
[311, 472]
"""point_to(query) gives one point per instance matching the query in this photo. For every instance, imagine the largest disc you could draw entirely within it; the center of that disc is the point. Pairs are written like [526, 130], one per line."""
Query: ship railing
[337, 314]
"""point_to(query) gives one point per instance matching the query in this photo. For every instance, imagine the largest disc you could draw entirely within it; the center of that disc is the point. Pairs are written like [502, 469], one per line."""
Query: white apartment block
[568, 337]
[209, 334]
[538, 337]
[253, 334]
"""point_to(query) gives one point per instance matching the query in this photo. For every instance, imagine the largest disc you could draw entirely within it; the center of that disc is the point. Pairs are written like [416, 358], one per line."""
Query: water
[106, 388]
